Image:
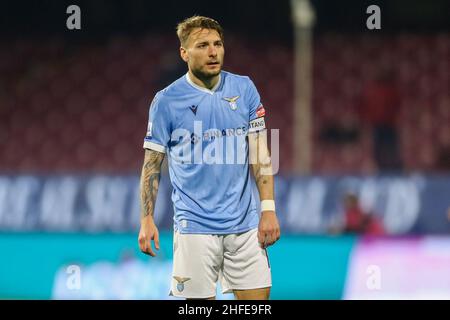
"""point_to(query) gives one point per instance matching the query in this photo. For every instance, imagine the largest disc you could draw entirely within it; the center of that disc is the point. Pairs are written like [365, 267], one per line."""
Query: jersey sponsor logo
[194, 109]
[212, 134]
[257, 124]
[260, 111]
[211, 146]
[232, 102]
[181, 281]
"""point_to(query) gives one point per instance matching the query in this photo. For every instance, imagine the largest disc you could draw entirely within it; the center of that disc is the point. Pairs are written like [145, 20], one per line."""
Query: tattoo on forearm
[150, 181]
[264, 183]
[262, 168]
[259, 178]
[149, 194]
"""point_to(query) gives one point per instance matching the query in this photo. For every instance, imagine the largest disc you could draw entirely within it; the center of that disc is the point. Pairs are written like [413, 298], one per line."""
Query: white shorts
[200, 260]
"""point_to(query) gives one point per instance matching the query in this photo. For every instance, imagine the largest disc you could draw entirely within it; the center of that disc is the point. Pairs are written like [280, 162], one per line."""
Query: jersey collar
[188, 79]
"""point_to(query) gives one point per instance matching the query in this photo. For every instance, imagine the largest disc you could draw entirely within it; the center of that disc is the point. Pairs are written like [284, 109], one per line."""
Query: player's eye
[202, 45]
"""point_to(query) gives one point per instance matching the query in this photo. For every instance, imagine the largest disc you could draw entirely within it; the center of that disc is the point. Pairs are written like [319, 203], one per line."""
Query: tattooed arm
[149, 189]
[261, 165]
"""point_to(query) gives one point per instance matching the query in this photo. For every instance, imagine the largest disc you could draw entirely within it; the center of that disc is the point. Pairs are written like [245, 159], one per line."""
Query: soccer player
[211, 125]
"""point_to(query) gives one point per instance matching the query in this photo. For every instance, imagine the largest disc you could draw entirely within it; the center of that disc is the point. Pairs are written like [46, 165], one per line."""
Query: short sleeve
[158, 128]
[257, 112]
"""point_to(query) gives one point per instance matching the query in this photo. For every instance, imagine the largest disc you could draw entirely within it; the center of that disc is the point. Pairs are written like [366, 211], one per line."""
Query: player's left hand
[268, 229]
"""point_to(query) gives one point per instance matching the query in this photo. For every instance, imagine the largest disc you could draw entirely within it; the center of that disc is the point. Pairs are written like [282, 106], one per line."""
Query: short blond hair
[185, 27]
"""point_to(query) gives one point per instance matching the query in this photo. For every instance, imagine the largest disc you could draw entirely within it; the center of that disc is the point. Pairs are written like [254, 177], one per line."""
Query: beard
[206, 74]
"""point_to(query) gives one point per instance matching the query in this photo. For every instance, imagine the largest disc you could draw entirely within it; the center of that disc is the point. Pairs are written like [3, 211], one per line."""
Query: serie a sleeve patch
[260, 111]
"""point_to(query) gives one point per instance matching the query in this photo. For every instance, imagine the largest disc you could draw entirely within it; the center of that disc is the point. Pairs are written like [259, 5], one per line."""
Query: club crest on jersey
[232, 102]
[181, 281]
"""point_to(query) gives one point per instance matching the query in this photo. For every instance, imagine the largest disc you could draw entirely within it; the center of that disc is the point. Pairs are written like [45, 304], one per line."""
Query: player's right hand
[148, 232]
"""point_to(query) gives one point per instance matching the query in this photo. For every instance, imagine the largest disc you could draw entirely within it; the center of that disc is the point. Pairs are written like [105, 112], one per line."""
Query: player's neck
[207, 83]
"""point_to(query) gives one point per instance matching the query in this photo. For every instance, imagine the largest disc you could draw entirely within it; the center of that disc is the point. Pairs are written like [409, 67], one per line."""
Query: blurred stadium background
[363, 191]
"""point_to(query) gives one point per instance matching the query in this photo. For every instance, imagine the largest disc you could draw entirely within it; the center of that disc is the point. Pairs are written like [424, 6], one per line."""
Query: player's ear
[183, 54]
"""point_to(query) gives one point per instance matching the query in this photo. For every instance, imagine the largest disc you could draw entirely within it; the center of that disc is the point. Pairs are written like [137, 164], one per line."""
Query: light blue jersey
[204, 134]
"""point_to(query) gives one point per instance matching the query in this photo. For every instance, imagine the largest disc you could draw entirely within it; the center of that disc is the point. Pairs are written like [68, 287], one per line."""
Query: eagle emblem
[181, 281]
[232, 102]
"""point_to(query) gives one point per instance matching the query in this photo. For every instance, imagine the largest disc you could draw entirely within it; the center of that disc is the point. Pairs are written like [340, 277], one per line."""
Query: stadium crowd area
[84, 108]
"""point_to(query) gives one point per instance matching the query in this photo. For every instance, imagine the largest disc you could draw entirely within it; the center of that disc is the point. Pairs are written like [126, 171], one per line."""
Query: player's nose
[212, 51]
